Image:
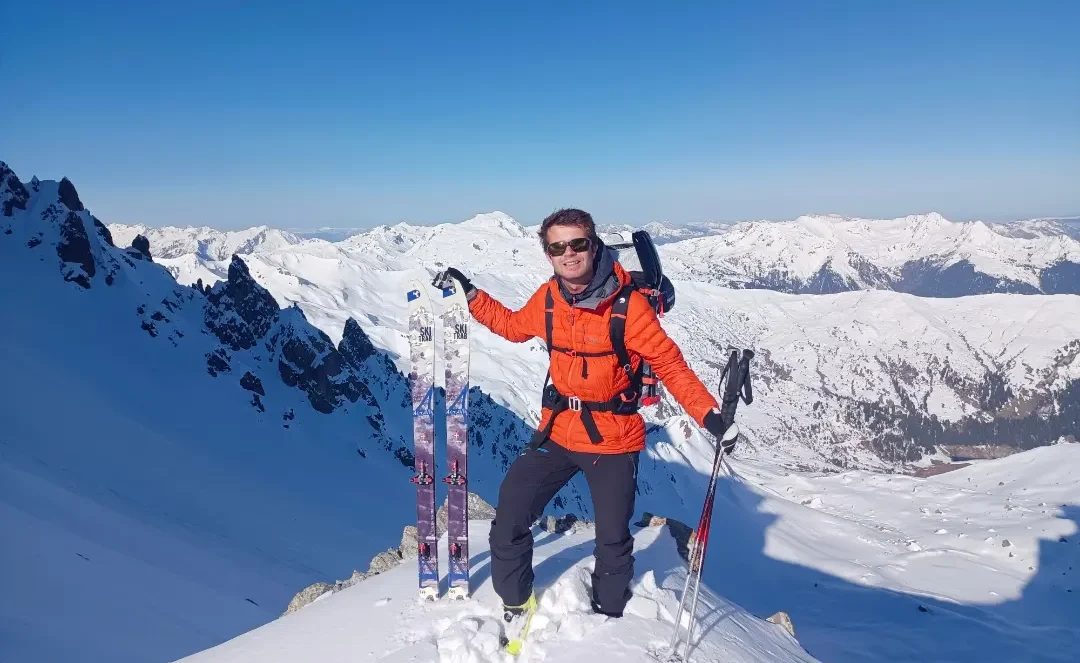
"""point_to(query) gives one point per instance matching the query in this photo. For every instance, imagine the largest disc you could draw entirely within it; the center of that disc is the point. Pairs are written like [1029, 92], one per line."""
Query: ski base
[429, 593]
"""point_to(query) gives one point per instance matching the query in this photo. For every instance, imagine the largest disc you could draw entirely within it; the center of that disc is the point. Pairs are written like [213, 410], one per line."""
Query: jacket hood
[608, 278]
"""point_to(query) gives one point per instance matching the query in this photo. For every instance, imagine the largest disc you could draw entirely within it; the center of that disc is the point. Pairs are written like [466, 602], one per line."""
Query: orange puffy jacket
[597, 378]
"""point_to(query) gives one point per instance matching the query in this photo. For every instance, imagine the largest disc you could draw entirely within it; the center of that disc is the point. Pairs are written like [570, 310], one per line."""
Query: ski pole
[736, 387]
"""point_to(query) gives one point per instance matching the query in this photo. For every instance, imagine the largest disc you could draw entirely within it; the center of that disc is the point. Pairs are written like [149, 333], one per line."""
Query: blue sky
[313, 114]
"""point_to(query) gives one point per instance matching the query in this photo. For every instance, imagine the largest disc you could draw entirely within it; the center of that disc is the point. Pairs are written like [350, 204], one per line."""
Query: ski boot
[516, 621]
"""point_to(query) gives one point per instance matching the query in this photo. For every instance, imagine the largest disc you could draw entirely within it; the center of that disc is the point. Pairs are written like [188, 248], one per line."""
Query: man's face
[573, 266]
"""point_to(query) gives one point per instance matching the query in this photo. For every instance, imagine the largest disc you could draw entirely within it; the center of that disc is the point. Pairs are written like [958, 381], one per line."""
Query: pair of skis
[455, 322]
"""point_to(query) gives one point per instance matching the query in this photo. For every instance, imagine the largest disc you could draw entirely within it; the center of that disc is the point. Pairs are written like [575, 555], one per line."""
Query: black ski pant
[530, 483]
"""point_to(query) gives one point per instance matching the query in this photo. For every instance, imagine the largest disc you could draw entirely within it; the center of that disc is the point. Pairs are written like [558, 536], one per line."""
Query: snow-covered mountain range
[925, 255]
[866, 378]
[188, 441]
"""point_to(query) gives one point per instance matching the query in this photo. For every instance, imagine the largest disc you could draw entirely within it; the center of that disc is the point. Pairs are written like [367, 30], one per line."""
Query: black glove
[715, 425]
[441, 278]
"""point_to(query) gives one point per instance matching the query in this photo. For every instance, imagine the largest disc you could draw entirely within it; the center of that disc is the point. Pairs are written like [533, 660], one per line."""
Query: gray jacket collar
[604, 282]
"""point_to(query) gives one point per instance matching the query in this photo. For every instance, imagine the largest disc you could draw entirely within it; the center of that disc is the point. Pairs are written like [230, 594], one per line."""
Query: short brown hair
[567, 217]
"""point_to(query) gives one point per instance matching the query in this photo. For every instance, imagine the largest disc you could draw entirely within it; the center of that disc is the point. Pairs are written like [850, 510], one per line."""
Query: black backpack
[651, 282]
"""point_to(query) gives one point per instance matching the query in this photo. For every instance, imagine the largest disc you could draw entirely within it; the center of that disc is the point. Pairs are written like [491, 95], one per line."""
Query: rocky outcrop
[478, 510]
[240, 311]
[307, 596]
[76, 258]
[69, 196]
[308, 360]
[217, 362]
[384, 561]
[140, 248]
[13, 195]
[355, 345]
[251, 382]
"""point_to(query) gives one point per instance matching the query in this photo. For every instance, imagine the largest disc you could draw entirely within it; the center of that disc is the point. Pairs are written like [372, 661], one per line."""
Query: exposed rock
[783, 619]
[141, 246]
[355, 345]
[384, 561]
[679, 531]
[13, 195]
[408, 542]
[251, 382]
[568, 523]
[69, 196]
[103, 232]
[240, 311]
[380, 563]
[649, 520]
[478, 510]
[308, 360]
[217, 362]
[77, 260]
[351, 580]
[307, 595]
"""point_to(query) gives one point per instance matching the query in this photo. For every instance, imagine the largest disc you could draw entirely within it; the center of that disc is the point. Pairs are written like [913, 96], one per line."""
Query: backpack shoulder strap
[549, 317]
[618, 330]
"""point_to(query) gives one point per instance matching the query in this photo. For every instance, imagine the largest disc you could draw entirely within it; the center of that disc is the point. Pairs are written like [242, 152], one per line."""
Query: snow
[860, 561]
[380, 619]
[157, 515]
[801, 247]
[815, 347]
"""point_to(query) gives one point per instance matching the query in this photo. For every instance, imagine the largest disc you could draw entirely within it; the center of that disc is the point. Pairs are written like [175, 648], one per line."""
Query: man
[589, 420]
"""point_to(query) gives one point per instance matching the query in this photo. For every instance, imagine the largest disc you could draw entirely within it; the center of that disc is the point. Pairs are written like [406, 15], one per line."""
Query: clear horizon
[346, 117]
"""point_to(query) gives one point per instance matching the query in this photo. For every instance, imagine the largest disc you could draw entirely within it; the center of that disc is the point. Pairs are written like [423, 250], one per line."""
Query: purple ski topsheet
[422, 386]
[455, 320]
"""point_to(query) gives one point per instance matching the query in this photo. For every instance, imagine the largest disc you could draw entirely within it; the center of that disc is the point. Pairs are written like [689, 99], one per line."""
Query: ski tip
[448, 291]
[413, 294]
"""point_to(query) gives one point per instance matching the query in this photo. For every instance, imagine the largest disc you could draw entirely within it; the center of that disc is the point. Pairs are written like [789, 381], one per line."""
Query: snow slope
[149, 508]
[974, 565]
[380, 619]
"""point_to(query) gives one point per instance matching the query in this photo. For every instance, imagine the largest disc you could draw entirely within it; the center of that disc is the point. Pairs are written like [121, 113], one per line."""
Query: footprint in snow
[381, 602]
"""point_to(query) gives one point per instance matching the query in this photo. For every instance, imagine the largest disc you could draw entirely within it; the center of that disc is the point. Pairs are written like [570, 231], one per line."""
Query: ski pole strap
[622, 404]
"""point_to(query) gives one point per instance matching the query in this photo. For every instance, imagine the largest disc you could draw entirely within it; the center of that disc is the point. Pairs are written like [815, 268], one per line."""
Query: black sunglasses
[578, 244]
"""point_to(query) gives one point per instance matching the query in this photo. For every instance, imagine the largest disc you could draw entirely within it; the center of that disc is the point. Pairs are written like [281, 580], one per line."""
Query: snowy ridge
[203, 242]
[397, 628]
[843, 253]
[978, 564]
[868, 379]
[925, 254]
